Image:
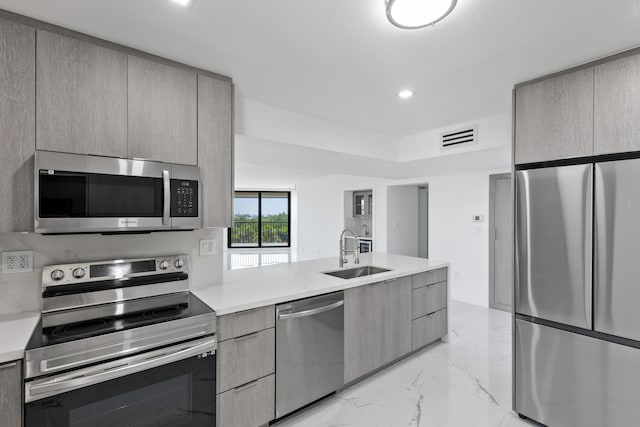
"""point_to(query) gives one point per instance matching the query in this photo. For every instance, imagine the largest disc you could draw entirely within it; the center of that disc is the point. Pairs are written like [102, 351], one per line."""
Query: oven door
[174, 386]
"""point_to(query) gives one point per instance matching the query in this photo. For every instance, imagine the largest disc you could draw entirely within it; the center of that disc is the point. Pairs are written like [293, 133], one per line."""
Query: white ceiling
[341, 60]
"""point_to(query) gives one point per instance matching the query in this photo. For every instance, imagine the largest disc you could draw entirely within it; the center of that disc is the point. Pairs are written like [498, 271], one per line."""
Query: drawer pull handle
[246, 386]
[246, 337]
[8, 365]
[432, 285]
[390, 280]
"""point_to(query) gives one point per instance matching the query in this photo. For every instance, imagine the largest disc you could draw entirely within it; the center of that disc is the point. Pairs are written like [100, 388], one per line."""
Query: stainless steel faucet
[343, 249]
[366, 230]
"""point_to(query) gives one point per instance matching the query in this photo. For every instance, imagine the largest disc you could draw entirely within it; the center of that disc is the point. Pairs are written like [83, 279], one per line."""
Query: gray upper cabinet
[17, 126]
[617, 106]
[554, 118]
[215, 150]
[163, 102]
[81, 97]
[11, 394]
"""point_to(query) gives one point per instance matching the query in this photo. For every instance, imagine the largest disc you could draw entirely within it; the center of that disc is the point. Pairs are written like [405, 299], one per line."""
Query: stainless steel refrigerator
[577, 294]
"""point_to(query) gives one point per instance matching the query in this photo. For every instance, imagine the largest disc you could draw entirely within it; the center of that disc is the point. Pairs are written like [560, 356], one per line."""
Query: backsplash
[21, 292]
[357, 225]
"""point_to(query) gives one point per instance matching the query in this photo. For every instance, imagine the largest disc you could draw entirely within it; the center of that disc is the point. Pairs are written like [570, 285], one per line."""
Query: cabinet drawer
[246, 322]
[429, 277]
[244, 359]
[249, 405]
[429, 328]
[429, 299]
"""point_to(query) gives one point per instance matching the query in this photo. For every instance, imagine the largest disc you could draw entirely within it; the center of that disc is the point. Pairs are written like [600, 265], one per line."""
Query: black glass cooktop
[179, 306]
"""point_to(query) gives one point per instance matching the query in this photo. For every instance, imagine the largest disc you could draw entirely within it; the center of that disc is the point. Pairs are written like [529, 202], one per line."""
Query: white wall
[494, 131]
[257, 120]
[321, 213]
[402, 220]
[22, 292]
[455, 238]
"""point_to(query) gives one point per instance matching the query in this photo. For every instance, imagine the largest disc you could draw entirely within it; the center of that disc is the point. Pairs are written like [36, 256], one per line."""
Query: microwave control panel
[184, 198]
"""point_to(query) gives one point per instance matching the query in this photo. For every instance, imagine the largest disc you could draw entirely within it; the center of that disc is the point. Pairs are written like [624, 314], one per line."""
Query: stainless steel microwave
[92, 194]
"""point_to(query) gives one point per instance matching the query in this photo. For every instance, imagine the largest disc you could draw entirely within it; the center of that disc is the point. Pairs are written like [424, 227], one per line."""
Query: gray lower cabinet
[429, 328]
[429, 299]
[244, 359]
[397, 319]
[11, 394]
[385, 321]
[81, 100]
[17, 125]
[246, 322]
[377, 326]
[215, 150]
[554, 118]
[617, 106]
[249, 405]
[162, 111]
[363, 325]
[245, 380]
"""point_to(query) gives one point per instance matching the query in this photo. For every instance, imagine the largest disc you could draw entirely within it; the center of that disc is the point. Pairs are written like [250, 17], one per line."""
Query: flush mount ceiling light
[405, 94]
[184, 3]
[412, 14]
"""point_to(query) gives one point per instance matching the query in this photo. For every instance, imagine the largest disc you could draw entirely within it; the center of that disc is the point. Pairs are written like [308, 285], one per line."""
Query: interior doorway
[423, 221]
[408, 220]
[500, 242]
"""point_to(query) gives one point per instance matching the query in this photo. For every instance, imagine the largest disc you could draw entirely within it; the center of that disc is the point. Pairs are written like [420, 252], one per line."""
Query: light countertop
[245, 289]
[249, 288]
[15, 331]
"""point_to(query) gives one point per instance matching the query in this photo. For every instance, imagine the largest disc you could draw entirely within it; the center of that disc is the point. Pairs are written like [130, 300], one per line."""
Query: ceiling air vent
[459, 138]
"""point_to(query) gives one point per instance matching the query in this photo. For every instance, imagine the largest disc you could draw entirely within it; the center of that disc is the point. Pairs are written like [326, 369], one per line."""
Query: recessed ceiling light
[184, 3]
[404, 94]
[411, 14]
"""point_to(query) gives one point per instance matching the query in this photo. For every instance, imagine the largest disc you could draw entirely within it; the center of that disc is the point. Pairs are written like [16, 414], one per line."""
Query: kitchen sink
[352, 273]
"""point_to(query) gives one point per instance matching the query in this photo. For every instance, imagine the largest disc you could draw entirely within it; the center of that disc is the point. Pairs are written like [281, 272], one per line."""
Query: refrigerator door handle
[588, 248]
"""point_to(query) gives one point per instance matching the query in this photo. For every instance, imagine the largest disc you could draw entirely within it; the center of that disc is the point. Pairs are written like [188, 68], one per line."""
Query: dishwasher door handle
[312, 312]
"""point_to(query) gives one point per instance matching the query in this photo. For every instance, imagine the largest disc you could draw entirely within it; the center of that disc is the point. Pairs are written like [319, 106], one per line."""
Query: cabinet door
[17, 126]
[162, 112]
[396, 316]
[617, 106]
[554, 118]
[11, 394]
[363, 330]
[81, 97]
[215, 150]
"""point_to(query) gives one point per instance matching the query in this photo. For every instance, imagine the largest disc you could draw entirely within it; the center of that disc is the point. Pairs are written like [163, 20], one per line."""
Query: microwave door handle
[166, 184]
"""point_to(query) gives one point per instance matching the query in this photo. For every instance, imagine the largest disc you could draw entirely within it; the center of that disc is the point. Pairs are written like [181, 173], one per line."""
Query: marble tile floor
[463, 383]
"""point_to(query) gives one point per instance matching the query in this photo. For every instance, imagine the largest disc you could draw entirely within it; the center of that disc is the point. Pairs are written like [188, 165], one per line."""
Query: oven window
[180, 394]
[81, 195]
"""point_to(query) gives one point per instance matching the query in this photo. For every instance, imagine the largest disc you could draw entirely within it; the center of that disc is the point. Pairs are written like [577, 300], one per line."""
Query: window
[261, 219]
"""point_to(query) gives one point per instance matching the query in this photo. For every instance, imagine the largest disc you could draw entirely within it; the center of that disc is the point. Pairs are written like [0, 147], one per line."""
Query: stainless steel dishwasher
[309, 351]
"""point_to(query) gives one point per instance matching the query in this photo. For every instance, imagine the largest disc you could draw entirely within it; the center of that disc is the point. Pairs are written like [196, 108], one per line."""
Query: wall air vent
[459, 138]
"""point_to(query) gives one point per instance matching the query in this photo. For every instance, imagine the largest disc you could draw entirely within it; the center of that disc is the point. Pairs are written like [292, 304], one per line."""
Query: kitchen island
[385, 318]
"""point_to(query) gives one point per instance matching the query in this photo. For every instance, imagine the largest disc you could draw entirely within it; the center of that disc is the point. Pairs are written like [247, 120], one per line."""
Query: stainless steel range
[121, 343]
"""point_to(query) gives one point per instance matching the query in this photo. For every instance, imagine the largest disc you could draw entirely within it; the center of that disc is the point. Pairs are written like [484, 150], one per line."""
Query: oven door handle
[50, 386]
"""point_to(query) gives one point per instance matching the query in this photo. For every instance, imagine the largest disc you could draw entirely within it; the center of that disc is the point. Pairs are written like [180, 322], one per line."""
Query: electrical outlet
[208, 247]
[17, 262]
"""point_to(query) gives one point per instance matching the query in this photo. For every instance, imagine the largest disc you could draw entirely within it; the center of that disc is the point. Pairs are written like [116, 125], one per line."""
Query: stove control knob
[164, 265]
[57, 275]
[179, 263]
[78, 273]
